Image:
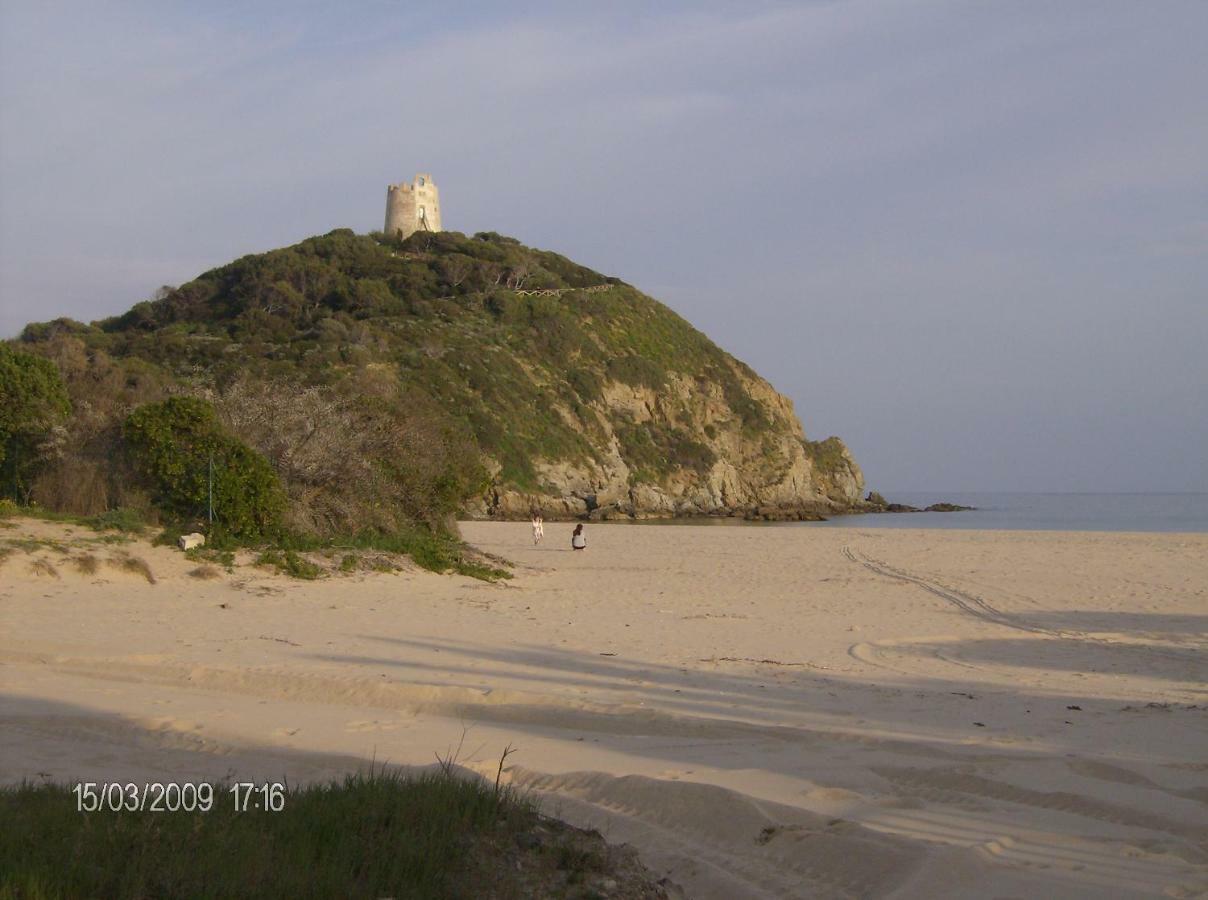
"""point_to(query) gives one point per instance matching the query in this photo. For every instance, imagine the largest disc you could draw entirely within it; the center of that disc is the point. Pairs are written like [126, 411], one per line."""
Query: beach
[761, 711]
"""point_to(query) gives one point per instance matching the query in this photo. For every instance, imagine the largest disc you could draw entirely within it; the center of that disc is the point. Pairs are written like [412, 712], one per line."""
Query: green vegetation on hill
[827, 455]
[385, 383]
[442, 309]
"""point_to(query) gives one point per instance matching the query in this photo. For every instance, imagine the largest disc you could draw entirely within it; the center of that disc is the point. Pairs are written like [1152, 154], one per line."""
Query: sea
[1040, 512]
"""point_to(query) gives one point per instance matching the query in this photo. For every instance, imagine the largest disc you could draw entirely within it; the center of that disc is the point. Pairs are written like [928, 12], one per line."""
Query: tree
[183, 451]
[518, 274]
[456, 268]
[33, 402]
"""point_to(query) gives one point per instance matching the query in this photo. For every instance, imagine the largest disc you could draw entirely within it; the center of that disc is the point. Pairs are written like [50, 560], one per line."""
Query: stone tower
[412, 207]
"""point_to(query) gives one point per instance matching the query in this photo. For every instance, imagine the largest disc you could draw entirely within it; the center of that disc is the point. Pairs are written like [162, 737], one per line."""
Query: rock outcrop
[876, 503]
[772, 473]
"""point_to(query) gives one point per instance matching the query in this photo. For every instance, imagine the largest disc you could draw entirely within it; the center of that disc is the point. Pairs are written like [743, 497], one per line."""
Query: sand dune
[763, 711]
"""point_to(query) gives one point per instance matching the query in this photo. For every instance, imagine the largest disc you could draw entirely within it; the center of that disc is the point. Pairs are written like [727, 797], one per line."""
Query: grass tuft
[224, 558]
[290, 563]
[43, 567]
[204, 572]
[33, 545]
[86, 564]
[134, 565]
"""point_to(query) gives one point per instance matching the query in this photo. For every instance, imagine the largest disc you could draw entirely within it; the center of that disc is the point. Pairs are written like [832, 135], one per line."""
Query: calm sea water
[1043, 512]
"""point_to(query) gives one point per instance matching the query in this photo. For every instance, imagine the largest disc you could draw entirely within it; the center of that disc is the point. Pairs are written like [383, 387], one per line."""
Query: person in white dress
[538, 528]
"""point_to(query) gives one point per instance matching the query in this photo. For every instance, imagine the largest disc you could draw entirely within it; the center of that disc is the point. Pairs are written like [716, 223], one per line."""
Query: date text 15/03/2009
[188, 796]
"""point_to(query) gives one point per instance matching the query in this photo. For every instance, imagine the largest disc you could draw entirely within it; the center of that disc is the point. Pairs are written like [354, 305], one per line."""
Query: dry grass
[5, 553]
[134, 565]
[74, 483]
[43, 567]
[35, 545]
[87, 564]
[204, 572]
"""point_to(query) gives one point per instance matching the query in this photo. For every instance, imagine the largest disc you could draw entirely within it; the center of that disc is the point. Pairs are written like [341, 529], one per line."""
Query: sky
[970, 238]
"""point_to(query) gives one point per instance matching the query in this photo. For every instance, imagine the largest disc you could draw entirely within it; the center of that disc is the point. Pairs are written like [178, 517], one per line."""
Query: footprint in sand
[671, 774]
[372, 725]
[170, 723]
[832, 795]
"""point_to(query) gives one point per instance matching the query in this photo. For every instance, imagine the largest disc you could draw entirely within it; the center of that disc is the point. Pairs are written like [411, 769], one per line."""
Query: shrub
[585, 384]
[178, 443]
[506, 306]
[653, 451]
[828, 456]
[120, 519]
[33, 400]
[636, 371]
[749, 410]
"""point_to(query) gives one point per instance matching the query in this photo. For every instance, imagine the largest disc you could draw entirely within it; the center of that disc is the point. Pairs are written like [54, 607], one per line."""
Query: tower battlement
[412, 207]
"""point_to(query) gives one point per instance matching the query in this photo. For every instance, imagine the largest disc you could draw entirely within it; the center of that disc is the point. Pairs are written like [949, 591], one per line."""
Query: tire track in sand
[969, 604]
[727, 843]
[942, 786]
[982, 610]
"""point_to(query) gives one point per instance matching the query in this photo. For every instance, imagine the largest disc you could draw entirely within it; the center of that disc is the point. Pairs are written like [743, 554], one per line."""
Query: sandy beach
[762, 711]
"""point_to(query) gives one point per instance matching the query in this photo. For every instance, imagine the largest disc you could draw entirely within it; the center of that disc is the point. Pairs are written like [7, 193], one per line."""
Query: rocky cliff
[770, 472]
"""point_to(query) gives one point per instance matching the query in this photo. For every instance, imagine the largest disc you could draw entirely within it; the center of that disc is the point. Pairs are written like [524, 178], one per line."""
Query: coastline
[761, 712]
[1134, 513]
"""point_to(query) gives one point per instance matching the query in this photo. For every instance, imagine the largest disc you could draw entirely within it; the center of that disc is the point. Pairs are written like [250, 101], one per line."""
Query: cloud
[934, 195]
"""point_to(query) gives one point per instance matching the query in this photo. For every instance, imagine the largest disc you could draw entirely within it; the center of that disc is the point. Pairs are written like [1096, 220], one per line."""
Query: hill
[391, 381]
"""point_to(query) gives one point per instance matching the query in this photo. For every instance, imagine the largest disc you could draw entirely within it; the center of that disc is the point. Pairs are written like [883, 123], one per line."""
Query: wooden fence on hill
[558, 292]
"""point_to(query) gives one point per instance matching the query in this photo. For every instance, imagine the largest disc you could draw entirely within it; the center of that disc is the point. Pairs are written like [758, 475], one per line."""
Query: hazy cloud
[968, 238]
